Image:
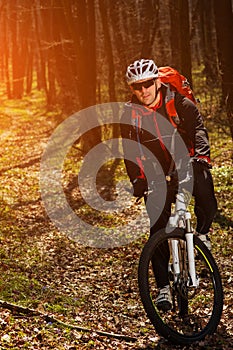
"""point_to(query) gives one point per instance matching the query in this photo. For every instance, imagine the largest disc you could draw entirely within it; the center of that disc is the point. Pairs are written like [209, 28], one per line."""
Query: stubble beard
[156, 93]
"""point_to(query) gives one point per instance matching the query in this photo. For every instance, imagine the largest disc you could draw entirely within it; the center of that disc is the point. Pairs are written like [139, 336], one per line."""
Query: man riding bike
[148, 107]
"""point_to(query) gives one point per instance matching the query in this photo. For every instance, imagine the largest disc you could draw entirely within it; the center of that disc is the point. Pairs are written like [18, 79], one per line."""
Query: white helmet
[140, 70]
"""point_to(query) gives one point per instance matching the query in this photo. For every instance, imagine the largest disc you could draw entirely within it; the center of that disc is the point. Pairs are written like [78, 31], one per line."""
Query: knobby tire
[202, 306]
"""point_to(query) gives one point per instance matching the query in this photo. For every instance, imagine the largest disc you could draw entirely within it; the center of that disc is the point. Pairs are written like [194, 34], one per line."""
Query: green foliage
[223, 178]
[210, 102]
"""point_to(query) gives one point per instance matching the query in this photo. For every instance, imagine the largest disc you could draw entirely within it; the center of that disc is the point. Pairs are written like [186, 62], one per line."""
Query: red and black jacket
[153, 129]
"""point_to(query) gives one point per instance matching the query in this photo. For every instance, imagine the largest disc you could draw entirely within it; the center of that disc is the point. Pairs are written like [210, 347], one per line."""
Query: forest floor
[93, 290]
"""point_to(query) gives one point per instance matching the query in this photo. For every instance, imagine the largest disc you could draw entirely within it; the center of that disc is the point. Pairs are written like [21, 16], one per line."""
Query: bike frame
[193, 277]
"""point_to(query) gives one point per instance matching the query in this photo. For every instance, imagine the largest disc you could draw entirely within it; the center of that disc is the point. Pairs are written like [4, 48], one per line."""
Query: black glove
[139, 187]
[200, 164]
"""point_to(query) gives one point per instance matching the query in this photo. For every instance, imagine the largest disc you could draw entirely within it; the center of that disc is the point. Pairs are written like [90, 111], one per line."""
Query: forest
[77, 51]
[59, 58]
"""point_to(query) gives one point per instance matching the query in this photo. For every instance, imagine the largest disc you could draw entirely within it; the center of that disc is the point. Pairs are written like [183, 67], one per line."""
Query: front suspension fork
[193, 280]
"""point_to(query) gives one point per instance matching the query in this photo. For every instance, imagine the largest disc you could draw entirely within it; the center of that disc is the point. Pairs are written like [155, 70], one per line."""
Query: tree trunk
[175, 34]
[51, 64]
[108, 50]
[40, 50]
[91, 54]
[150, 16]
[186, 65]
[80, 21]
[224, 32]
[29, 72]
[208, 42]
[6, 51]
[18, 51]
[63, 49]
[180, 37]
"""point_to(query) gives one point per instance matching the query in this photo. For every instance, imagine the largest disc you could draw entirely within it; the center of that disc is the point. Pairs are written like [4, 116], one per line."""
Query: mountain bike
[195, 282]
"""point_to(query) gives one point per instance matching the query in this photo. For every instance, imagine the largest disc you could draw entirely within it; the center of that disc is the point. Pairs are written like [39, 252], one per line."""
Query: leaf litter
[92, 288]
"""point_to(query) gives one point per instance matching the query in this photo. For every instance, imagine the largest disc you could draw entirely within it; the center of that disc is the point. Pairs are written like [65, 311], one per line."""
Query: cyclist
[148, 102]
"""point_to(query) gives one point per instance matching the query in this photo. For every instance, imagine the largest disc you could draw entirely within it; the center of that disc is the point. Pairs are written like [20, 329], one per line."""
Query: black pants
[159, 212]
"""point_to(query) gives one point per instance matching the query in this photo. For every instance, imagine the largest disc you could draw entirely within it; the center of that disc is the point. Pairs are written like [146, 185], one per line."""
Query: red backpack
[177, 82]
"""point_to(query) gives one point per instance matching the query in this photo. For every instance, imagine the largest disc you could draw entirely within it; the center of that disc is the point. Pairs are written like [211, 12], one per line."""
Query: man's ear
[131, 88]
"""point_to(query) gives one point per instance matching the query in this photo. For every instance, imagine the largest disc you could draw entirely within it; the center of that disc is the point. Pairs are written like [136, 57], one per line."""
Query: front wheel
[196, 311]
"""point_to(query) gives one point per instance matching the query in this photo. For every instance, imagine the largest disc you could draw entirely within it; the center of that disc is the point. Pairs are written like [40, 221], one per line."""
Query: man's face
[145, 91]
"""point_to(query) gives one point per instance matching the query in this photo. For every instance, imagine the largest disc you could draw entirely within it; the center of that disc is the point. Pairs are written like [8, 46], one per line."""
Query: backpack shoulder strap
[170, 107]
[137, 123]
